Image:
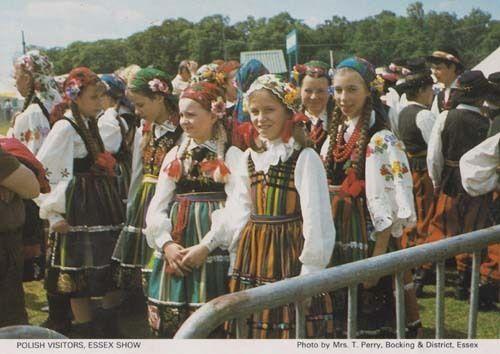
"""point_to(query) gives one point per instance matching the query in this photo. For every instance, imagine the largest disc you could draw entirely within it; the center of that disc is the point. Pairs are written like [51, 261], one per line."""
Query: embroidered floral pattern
[396, 170]
[156, 85]
[65, 173]
[34, 134]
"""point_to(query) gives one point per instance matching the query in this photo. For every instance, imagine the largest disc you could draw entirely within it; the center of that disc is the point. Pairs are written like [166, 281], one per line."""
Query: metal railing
[242, 304]
[29, 332]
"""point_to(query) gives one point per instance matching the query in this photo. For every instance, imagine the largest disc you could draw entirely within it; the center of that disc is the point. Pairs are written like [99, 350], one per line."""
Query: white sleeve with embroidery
[56, 155]
[31, 128]
[136, 173]
[228, 222]
[158, 224]
[425, 122]
[389, 185]
[318, 227]
[110, 132]
[435, 158]
[478, 167]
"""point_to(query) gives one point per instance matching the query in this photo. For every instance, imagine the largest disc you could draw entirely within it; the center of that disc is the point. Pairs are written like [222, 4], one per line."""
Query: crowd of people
[169, 193]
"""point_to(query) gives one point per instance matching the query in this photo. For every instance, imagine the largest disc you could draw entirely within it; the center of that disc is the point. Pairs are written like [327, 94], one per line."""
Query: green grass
[4, 126]
[134, 323]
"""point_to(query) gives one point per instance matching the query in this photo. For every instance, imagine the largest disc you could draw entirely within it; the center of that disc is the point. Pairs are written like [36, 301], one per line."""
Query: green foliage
[380, 39]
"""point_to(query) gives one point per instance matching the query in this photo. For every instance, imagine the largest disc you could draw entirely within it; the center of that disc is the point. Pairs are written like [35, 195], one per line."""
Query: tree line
[380, 39]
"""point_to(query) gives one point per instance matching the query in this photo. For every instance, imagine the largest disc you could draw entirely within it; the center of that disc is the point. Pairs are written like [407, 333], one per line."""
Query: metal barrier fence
[240, 305]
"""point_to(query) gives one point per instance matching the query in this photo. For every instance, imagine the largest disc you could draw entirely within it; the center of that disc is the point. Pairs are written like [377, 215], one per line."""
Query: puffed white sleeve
[478, 167]
[56, 155]
[136, 174]
[435, 158]
[388, 184]
[425, 122]
[31, 128]
[228, 222]
[109, 129]
[318, 227]
[158, 224]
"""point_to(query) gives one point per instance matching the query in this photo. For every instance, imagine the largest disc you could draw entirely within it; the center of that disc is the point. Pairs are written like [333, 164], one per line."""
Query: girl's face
[350, 92]
[314, 94]
[24, 81]
[147, 108]
[195, 120]
[268, 114]
[89, 101]
[230, 87]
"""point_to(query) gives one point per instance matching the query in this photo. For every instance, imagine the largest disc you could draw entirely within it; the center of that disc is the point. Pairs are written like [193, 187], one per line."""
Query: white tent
[490, 64]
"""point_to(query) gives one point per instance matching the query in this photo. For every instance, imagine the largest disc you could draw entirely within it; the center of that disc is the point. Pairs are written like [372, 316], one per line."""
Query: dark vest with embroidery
[157, 148]
[194, 180]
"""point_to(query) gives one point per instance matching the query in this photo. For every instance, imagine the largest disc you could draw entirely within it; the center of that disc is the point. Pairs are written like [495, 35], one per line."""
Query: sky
[50, 23]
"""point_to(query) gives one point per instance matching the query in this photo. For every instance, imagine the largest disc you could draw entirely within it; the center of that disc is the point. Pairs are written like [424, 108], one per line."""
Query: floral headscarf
[77, 80]
[41, 69]
[152, 80]
[362, 66]
[286, 92]
[313, 68]
[209, 95]
[210, 73]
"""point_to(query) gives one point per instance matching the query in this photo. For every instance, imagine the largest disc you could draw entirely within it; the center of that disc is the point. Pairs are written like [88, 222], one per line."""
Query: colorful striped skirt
[376, 306]
[172, 298]
[132, 252]
[269, 251]
[79, 261]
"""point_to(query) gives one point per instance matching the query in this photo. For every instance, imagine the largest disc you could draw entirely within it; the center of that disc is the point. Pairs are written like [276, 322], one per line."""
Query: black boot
[488, 296]
[107, 323]
[59, 319]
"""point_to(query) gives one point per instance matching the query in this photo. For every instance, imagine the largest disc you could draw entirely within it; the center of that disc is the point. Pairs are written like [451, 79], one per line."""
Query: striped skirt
[123, 177]
[269, 251]
[132, 252]
[457, 215]
[171, 298]
[376, 306]
[79, 261]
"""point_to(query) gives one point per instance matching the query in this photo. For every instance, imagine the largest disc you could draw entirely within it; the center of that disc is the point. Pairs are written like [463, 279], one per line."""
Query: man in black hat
[415, 126]
[446, 67]
[455, 132]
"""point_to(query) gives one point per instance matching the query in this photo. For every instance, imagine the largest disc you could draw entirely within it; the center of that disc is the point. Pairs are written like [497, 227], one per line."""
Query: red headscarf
[204, 93]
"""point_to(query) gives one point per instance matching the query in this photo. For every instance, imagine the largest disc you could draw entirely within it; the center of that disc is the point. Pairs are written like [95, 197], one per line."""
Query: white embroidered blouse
[478, 167]
[388, 181]
[62, 145]
[31, 127]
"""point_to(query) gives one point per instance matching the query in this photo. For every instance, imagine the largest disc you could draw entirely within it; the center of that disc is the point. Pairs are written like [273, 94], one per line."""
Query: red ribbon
[352, 185]
[174, 170]
[211, 165]
[107, 162]
[298, 118]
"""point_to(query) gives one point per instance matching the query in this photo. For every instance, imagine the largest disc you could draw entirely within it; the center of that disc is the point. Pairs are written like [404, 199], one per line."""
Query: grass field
[134, 324]
[4, 126]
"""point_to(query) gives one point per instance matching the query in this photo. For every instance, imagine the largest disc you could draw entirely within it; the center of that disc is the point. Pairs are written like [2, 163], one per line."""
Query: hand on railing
[194, 256]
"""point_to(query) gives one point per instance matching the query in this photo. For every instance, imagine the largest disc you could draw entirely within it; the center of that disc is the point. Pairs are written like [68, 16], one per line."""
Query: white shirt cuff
[310, 268]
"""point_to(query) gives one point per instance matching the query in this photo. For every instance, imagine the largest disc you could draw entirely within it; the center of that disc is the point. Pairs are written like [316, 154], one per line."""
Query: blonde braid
[221, 139]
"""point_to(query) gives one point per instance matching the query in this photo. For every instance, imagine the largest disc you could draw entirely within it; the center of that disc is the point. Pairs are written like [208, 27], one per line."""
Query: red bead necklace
[343, 151]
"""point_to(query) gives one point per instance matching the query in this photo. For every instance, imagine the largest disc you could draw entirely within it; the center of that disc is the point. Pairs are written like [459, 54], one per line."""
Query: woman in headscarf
[371, 194]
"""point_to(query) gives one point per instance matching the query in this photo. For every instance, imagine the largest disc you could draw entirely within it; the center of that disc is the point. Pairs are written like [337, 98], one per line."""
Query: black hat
[416, 74]
[471, 86]
[445, 55]
[494, 94]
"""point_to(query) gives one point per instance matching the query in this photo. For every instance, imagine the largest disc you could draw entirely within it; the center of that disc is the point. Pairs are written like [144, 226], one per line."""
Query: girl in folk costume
[192, 185]
[35, 82]
[455, 132]
[371, 194]
[479, 170]
[317, 103]
[117, 127]
[33, 73]
[282, 225]
[415, 126]
[245, 76]
[151, 93]
[84, 209]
